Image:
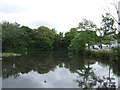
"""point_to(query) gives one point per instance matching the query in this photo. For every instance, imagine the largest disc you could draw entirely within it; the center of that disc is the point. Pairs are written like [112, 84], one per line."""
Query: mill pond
[58, 70]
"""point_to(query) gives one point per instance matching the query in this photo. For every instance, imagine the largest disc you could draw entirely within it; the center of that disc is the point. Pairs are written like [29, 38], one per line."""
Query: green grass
[9, 54]
[104, 55]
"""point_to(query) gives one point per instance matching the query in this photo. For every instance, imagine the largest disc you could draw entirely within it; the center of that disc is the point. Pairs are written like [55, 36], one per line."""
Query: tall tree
[78, 44]
[87, 25]
[44, 38]
[69, 36]
[107, 29]
[11, 34]
[58, 41]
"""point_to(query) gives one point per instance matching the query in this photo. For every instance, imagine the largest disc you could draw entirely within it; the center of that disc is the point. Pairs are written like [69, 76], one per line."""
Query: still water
[58, 70]
[0, 73]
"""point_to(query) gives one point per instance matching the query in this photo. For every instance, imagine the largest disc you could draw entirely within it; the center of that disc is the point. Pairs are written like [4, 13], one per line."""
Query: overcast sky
[59, 14]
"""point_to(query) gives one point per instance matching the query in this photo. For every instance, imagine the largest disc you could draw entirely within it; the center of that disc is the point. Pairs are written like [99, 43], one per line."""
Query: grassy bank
[104, 55]
[9, 54]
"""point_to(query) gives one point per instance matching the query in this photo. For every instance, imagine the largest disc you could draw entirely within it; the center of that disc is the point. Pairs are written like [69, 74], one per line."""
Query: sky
[59, 14]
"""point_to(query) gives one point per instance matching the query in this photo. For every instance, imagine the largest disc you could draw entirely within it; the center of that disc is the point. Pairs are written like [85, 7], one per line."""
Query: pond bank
[104, 55]
[9, 54]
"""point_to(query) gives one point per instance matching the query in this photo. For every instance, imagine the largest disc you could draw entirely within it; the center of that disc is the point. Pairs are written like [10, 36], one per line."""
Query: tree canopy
[16, 38]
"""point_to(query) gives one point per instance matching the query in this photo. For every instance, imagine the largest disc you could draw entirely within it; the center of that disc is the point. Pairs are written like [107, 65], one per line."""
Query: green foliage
[103, 55]
[77, 44]
[11, 36]
[107, 30]
[108, 24]
[42, 39]
[86, 35]
[87, 25]
[83, 38]
[45, 32]
[58, 41]
[24, 39]
[69, 36]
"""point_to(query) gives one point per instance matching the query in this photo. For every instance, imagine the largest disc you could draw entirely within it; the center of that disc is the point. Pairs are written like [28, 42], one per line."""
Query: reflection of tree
[113, 65]
[75, 63]
[42, 63]
[116, 68]
[107, 82]
[0, 68]
[61, 57]
[86, 75]
[87, 78]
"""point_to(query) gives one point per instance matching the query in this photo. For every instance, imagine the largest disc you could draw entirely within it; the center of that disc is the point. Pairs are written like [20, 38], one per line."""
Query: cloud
[61, 14]
[35, 24]
[11, 7]
[60, 78]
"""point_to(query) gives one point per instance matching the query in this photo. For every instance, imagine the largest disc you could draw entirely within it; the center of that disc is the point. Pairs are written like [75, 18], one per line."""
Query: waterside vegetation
[9, 54]
[23, 39]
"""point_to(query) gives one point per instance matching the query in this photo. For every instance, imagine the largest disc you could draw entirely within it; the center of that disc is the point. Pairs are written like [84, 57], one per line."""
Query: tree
[11, 36]
[107, 29]
[78, 44]
[69, 36]
[43, 39]
[86, 34]
[58, 41]
[28, 35]
[24, 39]
[45, 32]
[87, 25]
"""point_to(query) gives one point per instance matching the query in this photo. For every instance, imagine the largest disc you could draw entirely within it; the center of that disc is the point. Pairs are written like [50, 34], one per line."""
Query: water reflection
[58, 70]
[0, 73]
[89, 79]
[0, 68]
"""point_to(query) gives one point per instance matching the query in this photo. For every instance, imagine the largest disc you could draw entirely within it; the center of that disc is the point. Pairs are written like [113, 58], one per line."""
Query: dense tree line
[16, 38]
